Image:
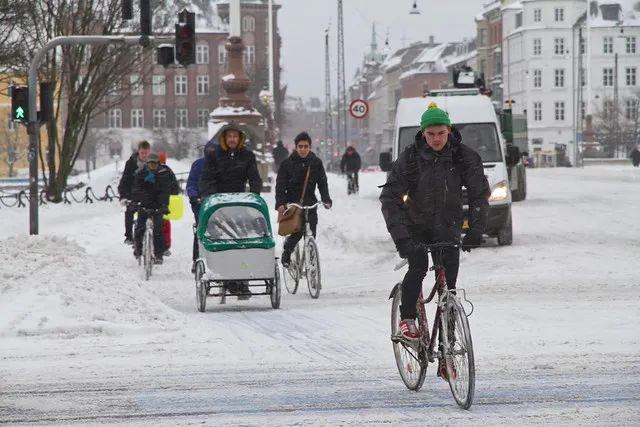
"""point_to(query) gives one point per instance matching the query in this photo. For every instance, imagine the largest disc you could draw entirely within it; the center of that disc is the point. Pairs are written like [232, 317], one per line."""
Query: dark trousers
[158, 239]
[128, 223]
[293, 239]
[418, 267]
[196, 250]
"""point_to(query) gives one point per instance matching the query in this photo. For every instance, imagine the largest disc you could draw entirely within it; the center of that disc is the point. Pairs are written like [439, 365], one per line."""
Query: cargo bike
[237, 250]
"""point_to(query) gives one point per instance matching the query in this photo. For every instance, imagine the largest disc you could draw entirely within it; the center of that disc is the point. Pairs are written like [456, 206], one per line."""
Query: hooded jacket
[227, 171]
[433, 182]
[291, 177]
[152, 188]
[196, 171]
[350, 163]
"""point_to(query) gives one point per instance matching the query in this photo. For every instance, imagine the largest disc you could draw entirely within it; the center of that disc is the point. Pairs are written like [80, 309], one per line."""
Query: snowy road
[84, 340]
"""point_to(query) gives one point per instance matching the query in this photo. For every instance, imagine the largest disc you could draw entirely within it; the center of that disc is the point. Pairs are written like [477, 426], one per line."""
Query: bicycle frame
[308, 234]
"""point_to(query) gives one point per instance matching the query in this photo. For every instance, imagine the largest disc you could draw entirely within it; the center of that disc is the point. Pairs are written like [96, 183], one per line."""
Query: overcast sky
[302, 24]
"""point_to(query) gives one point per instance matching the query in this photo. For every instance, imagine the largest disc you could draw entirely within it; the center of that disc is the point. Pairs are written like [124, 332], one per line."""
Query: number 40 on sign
[358, 108]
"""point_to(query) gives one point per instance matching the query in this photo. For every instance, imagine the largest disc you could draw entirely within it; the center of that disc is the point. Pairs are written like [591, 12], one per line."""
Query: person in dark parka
[635, 156]
[422, 204]
[135, 164]
[289, 185]
[351, 164]
[280, 153]
[151, 189]
[228, 168]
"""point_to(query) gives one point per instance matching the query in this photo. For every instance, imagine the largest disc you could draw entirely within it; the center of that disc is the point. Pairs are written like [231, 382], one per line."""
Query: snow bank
[51, 286]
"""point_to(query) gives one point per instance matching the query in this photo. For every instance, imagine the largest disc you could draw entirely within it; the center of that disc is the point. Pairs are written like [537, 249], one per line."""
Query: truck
[474, 115]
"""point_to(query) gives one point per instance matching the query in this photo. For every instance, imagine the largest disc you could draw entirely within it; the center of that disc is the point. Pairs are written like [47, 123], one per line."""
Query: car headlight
[499, 192]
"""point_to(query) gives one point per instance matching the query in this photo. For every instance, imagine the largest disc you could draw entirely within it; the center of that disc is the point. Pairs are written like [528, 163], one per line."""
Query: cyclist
[226, 170]
[151, 189]
[290, 182]
[194, 193]
[135, 164]
[351, 164]
[422, 204]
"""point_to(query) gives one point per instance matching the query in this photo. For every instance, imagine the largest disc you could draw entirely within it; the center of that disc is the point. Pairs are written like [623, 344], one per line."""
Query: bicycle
[352, 186]
[307, 263]
[450, 322]
[147, 258]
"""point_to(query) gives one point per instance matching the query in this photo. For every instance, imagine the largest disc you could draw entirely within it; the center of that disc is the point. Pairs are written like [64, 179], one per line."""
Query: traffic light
[20, 103]
[186, 38]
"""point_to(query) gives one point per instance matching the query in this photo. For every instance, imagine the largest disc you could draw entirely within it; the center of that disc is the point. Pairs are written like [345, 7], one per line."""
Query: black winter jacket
[125, 186]
[280, 153]
[152, 193]
[291, 177]
[227, 171]
[433, 182]
[350, 163]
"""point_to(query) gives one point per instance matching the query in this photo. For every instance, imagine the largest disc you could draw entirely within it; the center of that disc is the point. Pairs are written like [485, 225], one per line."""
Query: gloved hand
[164, 210]
[408, 247]
[472, 240]
[328, 205]
[124, 202]
[194, 200]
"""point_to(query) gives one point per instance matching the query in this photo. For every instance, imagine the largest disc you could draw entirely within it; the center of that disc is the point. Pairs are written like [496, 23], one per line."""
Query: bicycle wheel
[458, 352]
[276, 289]
[313, 269]
[201, 287]
[291, 274]
[147, 252]
[410, 357]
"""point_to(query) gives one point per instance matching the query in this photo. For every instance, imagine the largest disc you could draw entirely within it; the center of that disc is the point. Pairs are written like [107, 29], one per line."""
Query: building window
[203, 118]
[160, 118]
[159, 85]
[202, 54]
[559, 109]
[537, 78]
[607, 109]
[537, 15]
[559, 77]
[222, 53]
[537, 111]
[559, 14]
[537, 47]
[137, 89]
[631, 76]
[558, 45]
[248, 24]
[536, 141]
[203, 85]
[137, 118]
[182, 118]
[519, 20]
[482, 35]
[631, 44]
[607, 76]
[115, 118]
[181, 85]
[249, 54]
[607, 44]
[631, 110]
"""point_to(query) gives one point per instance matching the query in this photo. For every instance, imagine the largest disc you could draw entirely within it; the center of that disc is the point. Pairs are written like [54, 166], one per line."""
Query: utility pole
[579, 118]
[615, 109]
[342, 90]
[328, 120]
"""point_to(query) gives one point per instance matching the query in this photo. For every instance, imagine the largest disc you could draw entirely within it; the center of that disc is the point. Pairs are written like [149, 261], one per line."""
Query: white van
[474, 116]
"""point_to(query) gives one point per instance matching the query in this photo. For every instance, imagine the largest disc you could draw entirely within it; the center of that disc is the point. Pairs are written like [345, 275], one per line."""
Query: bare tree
[630, 128]
[86, 79]
[607, 125]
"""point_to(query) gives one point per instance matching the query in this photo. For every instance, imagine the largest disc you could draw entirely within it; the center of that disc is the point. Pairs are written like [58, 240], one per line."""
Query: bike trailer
[235, 237]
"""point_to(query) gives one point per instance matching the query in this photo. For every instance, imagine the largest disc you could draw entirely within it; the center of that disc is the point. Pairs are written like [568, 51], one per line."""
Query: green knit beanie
[434, 116]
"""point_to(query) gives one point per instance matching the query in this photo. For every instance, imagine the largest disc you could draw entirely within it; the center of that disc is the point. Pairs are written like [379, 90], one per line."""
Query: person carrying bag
[290, 221]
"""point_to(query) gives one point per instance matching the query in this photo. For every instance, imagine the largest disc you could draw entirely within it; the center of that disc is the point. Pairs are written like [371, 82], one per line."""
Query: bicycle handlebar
[138, 207]
[306, 207]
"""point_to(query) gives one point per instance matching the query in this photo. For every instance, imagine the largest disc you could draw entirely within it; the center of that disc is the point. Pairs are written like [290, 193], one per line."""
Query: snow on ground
[84, 340]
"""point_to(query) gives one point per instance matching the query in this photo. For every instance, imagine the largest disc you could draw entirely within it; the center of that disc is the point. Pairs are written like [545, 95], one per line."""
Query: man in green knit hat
[422, 205]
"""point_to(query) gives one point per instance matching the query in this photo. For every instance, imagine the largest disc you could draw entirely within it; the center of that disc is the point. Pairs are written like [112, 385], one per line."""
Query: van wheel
[505, 236]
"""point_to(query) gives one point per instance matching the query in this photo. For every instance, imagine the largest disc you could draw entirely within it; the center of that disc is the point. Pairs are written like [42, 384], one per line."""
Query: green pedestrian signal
[19, 103]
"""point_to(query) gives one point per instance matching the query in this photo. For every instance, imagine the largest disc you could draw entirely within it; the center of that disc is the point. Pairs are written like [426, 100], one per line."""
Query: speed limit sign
[358, 108]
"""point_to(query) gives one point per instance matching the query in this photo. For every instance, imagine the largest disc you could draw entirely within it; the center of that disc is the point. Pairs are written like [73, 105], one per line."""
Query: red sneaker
[409, 330]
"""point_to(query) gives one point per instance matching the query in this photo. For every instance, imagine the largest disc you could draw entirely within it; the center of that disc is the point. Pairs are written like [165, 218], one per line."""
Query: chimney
[611, 11]
[431, 40]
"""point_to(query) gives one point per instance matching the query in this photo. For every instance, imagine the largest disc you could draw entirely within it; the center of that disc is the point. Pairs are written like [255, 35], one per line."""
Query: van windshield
[482, 137]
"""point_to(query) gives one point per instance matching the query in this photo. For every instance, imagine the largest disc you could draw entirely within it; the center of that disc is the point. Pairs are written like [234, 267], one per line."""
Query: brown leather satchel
[290, 221]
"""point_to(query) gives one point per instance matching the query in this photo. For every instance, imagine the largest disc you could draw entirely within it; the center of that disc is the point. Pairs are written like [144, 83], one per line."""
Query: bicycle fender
[394, 290]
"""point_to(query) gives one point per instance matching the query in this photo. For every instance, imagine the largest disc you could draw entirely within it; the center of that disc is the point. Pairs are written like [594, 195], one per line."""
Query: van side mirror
[513, 155]
[385, 161]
